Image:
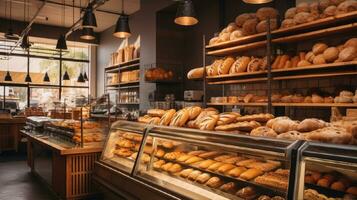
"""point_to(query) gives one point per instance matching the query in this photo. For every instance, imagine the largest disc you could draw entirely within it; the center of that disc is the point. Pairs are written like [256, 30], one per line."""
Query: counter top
[61, 149]
[19, 120]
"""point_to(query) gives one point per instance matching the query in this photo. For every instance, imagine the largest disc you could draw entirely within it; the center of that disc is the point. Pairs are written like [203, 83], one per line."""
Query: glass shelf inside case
[208, 165]
[327, 172]
[122, 145]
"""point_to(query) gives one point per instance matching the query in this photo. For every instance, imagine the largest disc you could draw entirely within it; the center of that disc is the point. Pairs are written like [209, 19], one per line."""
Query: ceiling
[52, 13]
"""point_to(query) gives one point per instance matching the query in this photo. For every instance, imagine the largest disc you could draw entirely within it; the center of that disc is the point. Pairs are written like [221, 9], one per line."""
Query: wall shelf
[287, 104]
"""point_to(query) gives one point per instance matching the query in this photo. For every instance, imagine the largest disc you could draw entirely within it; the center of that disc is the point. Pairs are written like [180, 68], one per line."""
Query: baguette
[156, 112]
[195, 73]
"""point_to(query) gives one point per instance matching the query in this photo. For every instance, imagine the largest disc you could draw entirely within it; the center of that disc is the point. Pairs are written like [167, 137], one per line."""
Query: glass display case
[194, 164]
[327, 171]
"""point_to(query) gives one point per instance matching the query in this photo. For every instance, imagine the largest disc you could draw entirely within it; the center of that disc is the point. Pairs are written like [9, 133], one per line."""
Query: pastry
[263, 131]
[240, 19]
[123, 152]
[195, 73]
[183, 157]
[233, 159]
[144, 119]
[194, 111]
[226, 65]
[319, 60]
[240, 65]
[172, 155]
[175, 168]
[159, 153]
[186, 172]
[205, 164]
[292, 135]
[223, 158]
[156, 112]
[212, 41]
[323, 182]
[290, 13]
[226, 118]
[339, 186]
[245, 163]
[215, 166]
[225, 168]
[203, 178]
[249, 26]
[239, 126]
[229, 187]
[167, 144]
[273, 179]
[208, 122]
[158, 164]
[266, 12]
[180, 118]
[262, 26]
[231, 27]
[194, 174]
[319, 48]
[224, 37]
[247, 193]
[236, 172]
[248, 98]
[265, 166]
[311, 124]
[193, 159]
[347, 54]
[209, 154]
[167, 166]
[196, 153]
[214, 182]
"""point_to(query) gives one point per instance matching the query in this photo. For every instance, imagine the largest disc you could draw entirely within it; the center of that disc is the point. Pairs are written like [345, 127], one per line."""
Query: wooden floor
[16, 181]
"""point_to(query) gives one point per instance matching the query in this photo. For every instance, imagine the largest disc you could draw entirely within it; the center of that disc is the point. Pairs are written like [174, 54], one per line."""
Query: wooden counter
[68, 171]
[9, 133]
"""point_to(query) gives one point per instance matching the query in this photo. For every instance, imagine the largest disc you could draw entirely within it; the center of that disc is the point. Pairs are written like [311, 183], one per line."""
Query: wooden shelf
[242, 40]
[237, 49]
[121, 65]
[128, 103]
[129, 83]
[287, 104]
[113, 85]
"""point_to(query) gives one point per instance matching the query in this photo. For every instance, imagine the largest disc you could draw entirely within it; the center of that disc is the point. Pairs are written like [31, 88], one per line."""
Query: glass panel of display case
[327, 171]
[207, 165]
[122, 145]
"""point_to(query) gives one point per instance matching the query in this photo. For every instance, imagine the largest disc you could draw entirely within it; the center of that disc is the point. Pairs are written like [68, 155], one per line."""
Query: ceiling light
[185, 14]
[89, 20]
[257, 1]
[122, 29]
[66, 76]
[61, 43]
[81, 78]
[28, 78]
[8, 76]
[11, 35]
[87, 34]
[46, 78]
[25, 44]
[85, 76]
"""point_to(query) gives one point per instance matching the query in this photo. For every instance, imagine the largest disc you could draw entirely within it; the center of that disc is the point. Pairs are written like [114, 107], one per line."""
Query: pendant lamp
[28, 78]
[66, 76]
[257, 1]
[85, 76]
[89, 20]
[8, 76]
[25, 44]
[185, 14]
[46, 78]
[61, 43]
[87, 34]
[122, 29]
[81, 78]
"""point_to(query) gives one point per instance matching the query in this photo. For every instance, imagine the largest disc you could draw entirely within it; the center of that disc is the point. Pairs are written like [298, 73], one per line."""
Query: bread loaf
[347, 6]
[284, 125]
[302, 17]
[319, 48]
[167, 117]
[310, 56]
[208, 122]
[236, 34]
[195, 73]
[311, 124]
[263, 131]
[303, 63]
[180, 118]
[240, 65]
[290, 13]
[226, 65]
[319, 59]
[331, 54]
[263, 26]
[286, 23]
[302, 7]
[348, 54]
[266, 12]
[249, 26]
[241, 19]
[194, 111]
[156, 112]
[254, 65]
[351, 43]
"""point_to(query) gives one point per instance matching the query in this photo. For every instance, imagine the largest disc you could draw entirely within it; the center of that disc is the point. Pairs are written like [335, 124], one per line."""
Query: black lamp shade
[8, 76]
[28, 78]
[85, 76]
[186, 15]
[81, 78]
[122, 29]
[87, 34]
[25, 44]
[46, 78]
[257, 1]
[66, 76]
[89, 20]
[61, 43]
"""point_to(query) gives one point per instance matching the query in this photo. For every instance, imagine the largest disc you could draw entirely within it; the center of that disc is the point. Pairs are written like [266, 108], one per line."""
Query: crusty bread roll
[180, 118]
[308, 99]
[266, 12]
[231, 27]
[347, 6]
[240, 19]
[290, 13]
[303, 63]
[294, 61]
[224, 37]
[292, 135]
[214, 40]
[348, 54]
[263, 131]
[208, 122]
[330, 11]
[314, 8]
[226, 65]
[284, 125]
[236, 34]
[240, 65]
[311, 124]
[351, 43]
[254, 65]
[319, 59]
[249, 26]
[156, 112]
[302, 18]
[251, 174]
[323, 4]
[194, 111]
[302, 7]
[331, 54]
[195, 73]
[286, 23]
[310, 56]
[319, 48]
[315, 98]
[263, 26]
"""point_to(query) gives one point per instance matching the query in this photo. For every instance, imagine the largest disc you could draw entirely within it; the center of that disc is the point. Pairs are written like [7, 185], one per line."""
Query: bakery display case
[185, 163]
[326, 171]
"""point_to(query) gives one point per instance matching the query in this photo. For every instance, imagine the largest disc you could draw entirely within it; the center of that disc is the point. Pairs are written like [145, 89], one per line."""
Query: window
[44, 97]
[16, 65]
[39, 67]
[15, 97]
[74, 69]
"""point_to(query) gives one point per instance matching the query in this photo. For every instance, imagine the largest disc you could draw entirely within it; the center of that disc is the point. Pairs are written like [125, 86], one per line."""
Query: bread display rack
[178, 163]
[341, 23]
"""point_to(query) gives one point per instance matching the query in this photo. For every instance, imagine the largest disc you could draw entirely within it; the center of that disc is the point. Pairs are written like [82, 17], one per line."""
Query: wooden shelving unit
[349, 105]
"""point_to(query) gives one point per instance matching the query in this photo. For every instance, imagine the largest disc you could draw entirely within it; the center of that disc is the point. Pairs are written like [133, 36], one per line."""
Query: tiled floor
[17, 183]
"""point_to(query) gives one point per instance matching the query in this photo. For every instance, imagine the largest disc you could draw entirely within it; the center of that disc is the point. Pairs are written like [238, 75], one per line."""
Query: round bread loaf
[214, 40]
[347, 6]
[308, 99]
[319, 59]
[303, 7]
[323, 4]
[263, 26]
[266, 12]
[240, 65]
[292, 135]
[351, 43]
[303, 63]
[236, 34]
[231, 27]
[331, 54]
[302, 17]
[224, 37]
[290, 13]
[249, 27]
[288, 23]
[317, 99]
[330, 11]
[348, 54]
[328, 99]
[345, 93]
[314, 7]
[241, 19]
[284, 125]
[194, 111]
[319, 48]
[263, 131]
[310, 56]
[248, 98]
[311, 124]
[254, 65]
[226, 65]
[336, 2]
